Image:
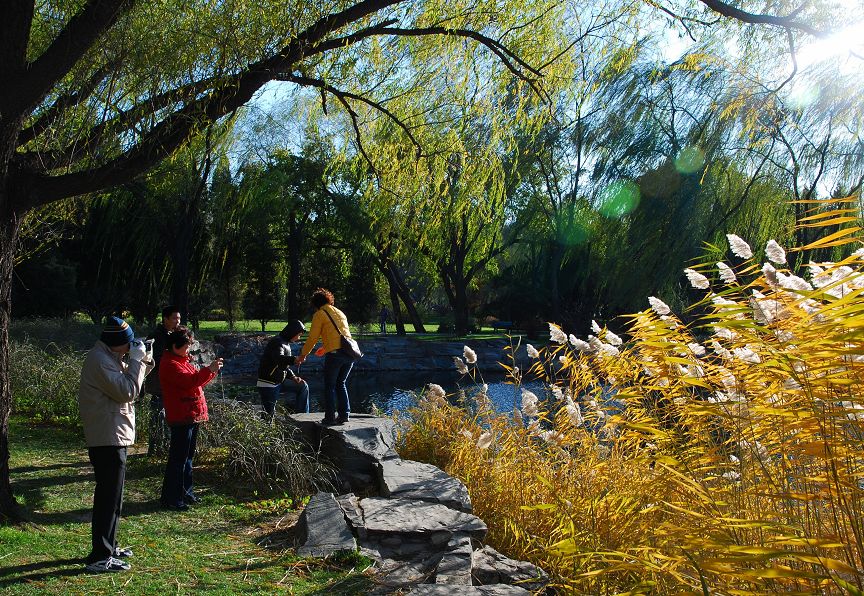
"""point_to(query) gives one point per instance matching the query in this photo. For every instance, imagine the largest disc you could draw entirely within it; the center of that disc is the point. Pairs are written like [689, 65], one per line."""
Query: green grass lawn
[225, 545]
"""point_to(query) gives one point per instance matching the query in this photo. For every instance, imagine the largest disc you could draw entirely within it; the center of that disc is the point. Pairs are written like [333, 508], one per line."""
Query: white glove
[137, 351]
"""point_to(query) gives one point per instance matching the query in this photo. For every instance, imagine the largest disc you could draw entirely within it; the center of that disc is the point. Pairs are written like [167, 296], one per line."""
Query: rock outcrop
[411, 518]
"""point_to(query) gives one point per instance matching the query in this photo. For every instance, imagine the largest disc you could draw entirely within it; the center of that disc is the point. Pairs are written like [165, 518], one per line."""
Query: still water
[394, 391]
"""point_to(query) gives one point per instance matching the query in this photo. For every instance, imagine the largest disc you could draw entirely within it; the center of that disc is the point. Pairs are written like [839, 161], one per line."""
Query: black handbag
[347, 346]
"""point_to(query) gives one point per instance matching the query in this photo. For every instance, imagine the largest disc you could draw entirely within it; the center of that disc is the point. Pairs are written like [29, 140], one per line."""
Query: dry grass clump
[267, 458]
[721, 457]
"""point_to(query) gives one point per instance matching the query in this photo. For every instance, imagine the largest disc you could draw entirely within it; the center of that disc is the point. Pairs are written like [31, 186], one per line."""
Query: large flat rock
[324, 527]
[407, 479]
[355, 447]
[405, 517]
[491, 567]
[451, 590]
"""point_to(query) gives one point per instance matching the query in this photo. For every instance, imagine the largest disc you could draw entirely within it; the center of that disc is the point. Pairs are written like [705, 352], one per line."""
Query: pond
[392, 391]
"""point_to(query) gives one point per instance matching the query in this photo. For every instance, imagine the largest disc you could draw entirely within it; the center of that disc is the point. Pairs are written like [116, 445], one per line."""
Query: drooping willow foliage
[722, 456]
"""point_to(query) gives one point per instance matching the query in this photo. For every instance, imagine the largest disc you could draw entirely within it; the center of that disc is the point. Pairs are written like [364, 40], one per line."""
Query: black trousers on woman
[177, 485]
[109, 466]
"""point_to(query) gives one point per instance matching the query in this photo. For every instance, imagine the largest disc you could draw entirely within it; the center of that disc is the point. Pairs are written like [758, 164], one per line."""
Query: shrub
[659, 465]
[244, 447]
[45, 382]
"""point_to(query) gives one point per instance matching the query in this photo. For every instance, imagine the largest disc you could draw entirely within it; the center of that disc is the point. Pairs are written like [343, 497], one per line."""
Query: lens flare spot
[690, 160]
[618, 199]
[803, 95]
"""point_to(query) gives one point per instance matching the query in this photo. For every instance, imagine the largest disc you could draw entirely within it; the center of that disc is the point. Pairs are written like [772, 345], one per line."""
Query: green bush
[45, 382]
[269, 458]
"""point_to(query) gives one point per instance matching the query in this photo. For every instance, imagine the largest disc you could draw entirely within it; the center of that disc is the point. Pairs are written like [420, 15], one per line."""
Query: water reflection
[396, 391]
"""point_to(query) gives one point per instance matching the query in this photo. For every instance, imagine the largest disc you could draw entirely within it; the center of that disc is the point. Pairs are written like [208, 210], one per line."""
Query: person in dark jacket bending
[275, 374]
[156, 437]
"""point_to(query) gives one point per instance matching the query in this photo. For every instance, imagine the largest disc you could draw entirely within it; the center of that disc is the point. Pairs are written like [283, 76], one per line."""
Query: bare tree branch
[79, 35]
[342, 95]
[787, 22]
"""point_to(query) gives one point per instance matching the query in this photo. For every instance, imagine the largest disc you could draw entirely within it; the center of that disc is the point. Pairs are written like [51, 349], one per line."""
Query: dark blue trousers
[337, 367]
[177, 485]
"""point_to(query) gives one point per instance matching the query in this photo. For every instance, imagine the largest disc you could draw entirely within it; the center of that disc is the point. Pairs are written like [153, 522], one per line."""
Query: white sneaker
[122, 552]
[107, 566]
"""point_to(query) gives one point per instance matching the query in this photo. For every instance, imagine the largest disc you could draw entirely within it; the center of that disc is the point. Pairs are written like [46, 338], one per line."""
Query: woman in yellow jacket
[327, 324]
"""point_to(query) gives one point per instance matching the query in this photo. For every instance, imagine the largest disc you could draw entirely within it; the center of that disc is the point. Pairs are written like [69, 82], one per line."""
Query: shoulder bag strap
[332, 321]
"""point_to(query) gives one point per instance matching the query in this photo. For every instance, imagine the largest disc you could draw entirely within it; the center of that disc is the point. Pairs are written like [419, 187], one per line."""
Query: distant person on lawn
[275, 374]
[109, 386]
[382, 318]
[337, 366]
[156, 436]
[185, 408]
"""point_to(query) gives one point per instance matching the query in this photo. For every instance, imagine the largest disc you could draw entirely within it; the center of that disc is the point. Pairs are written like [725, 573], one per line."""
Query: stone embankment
[411, 518]
[381, 353]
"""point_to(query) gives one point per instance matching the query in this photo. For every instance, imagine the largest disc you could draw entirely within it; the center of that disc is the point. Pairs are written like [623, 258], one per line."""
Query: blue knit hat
[116, 332]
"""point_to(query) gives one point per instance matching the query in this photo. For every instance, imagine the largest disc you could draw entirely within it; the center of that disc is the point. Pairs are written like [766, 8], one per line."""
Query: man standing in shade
[157, 434]
[109, 386]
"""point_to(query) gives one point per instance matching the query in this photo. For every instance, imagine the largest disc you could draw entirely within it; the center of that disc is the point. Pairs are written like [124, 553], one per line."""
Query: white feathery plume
[858, 254]
[719, 300]
[467, 434]
[791, 385]
[553, 437]
[747, 355]
[724, 333]
[436, 392]
[529, 403]
[720, 350]
[612, 338]
[563, 359]
[738, 247]
[556, 335]
[726, 273]
[557, 393]
[532, 351]
[775, 252]
[609, 350]
[460, 366]
[470, 355]
[696, 279]
[658, 306]
[783, 335]
[596, 344]
[595, 327]
[580, 345]
[697, 349]
[484, 440]
[793, 282]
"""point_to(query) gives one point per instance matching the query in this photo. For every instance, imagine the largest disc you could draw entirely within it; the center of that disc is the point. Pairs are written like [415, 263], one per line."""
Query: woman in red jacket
[185, 407]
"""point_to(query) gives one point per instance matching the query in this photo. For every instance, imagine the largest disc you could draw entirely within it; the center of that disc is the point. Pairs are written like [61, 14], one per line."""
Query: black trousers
[109, 465]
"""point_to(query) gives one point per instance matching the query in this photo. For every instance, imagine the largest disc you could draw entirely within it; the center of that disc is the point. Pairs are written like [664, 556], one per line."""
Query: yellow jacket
[324, 330]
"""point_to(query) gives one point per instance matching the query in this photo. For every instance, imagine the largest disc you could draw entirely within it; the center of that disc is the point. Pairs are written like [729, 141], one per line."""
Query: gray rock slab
[323, 525]
[491, 567]
[350, 505]
[355, 447]
[455, 565]
[407, 479]
[450, 590]
[403, 516]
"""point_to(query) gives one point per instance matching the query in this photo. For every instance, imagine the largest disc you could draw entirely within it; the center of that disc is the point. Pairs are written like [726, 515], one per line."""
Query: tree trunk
[405, 295]
[394, 301]
[9, 226]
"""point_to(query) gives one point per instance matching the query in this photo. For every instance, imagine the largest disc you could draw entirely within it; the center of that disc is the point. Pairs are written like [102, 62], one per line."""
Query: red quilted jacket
[182, 389]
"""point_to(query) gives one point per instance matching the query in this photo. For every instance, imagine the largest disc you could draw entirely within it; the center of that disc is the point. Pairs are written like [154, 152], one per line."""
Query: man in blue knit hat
[110, 383]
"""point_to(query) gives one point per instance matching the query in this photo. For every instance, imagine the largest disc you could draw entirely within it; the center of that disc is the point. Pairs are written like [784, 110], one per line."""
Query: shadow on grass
[58, 466]
[34, 572]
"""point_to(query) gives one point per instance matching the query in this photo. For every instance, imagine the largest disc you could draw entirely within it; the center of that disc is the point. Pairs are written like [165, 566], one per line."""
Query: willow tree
[94, 93]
